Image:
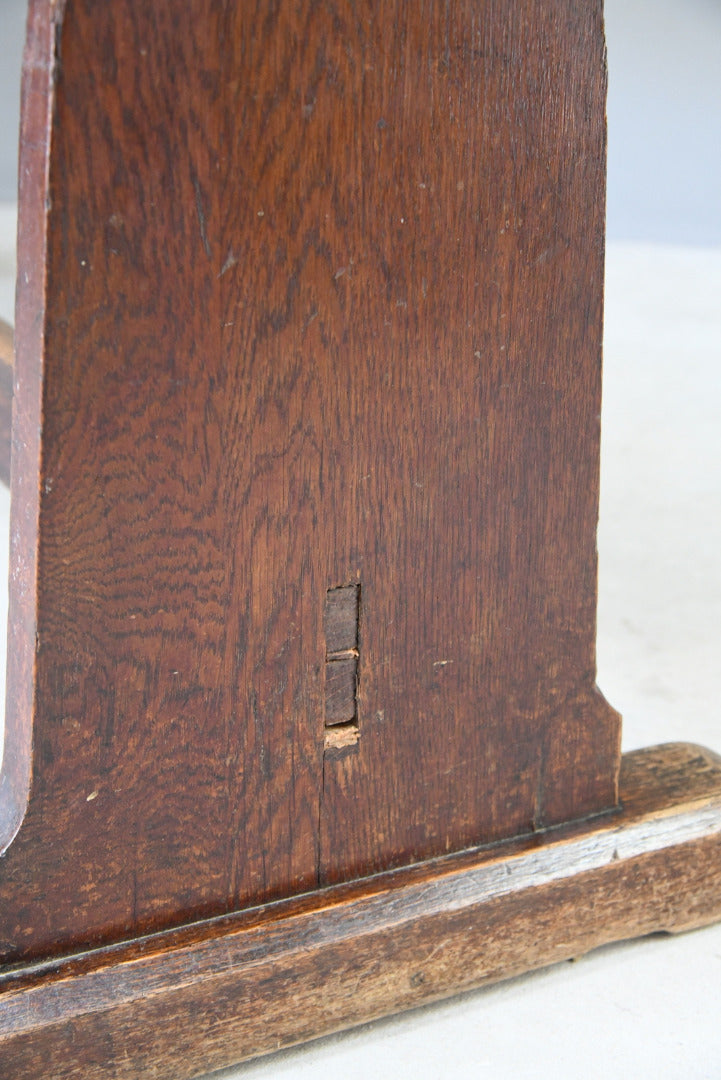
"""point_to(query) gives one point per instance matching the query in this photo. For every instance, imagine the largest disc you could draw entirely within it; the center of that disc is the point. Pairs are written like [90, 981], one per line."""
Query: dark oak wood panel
[317, 302]
[185, 1002]
[305, 482]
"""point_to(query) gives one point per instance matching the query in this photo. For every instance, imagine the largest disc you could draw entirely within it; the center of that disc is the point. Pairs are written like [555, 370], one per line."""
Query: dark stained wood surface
[185, 1002]
[316, 294]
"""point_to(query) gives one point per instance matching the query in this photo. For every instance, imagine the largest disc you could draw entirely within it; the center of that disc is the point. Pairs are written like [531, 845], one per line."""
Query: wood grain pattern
[185, 1002]
[6, 399]
[315, 291]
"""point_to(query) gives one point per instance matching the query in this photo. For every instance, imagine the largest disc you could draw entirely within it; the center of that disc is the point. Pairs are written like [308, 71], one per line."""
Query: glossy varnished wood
[185, 1002]
[302, 722]
[310, 298]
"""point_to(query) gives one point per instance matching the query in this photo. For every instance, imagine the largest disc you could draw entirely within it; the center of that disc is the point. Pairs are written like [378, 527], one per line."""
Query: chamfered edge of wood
[40, 60]
[185, 1002]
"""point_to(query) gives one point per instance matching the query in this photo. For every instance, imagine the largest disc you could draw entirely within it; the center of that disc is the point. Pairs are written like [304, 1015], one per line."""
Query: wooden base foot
[178, 1004]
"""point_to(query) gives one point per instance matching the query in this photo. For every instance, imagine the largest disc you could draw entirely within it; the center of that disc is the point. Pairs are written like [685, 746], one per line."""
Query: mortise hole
[340, 690]
[340, 622]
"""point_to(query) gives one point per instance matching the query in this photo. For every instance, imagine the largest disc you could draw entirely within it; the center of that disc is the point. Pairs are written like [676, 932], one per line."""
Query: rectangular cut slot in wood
[340, 690]
[341, 621]
[341, 668]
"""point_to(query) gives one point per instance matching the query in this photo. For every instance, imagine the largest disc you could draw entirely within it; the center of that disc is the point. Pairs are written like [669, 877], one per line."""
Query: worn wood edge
[6, 399]
[39, 68]
[182, 1003]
